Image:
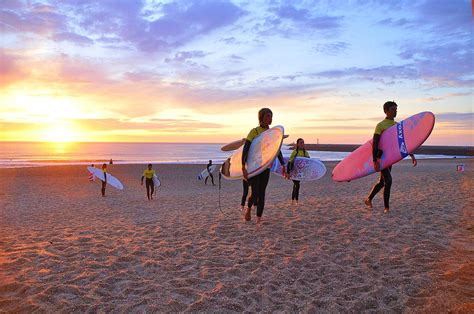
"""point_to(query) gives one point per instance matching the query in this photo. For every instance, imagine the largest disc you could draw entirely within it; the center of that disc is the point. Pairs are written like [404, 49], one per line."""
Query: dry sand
[65, 248]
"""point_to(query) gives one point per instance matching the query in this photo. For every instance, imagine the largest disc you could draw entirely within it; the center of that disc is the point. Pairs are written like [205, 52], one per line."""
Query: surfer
[210, 174]
[104, 183]
[299, 151]
[259, 182]
[385, 181]
[150, 185]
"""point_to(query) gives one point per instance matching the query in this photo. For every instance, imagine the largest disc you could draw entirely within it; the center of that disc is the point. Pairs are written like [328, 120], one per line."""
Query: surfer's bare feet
[386, 210]
[247, 216]
[368, 202]
[242, 207]
[259, 220]
[296, 202]
[292, 202]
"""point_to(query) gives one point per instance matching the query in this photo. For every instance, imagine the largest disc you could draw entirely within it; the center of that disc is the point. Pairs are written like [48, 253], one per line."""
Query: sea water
[32, 154]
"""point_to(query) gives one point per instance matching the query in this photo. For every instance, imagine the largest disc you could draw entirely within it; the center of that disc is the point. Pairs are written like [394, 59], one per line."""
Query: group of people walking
[258, 183]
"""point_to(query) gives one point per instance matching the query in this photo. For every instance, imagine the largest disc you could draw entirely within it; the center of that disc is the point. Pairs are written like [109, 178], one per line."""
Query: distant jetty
[425, 150]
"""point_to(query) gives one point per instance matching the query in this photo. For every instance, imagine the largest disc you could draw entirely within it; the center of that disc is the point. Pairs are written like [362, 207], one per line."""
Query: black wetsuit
[296, 190]
[104, 183]
[210, 174]
[259, 182]
[150, 187]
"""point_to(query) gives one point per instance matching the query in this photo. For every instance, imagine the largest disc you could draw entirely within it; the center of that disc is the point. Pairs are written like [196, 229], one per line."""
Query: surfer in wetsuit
[259, 182]
[150, 184]
[299, 151]
[385, 181]
[104, 183]
[210, 174]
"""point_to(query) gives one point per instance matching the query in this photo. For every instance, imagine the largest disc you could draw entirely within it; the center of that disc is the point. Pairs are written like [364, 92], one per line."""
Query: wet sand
[65, 248]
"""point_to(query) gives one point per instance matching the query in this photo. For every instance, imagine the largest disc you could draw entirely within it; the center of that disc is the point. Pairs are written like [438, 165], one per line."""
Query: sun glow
[60, 132]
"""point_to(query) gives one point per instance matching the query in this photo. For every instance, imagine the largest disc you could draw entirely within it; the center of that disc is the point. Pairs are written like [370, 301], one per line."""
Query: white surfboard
[204, 174]
[304, 169]
[156, 181]
[262, 153]
[113, 181]
[236, 144]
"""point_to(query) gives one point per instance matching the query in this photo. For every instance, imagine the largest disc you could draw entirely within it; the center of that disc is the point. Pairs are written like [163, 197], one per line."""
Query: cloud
[446, 17]
[446, 96]
[74, 38]
[158, 125]
[10, 69]
[395, 22]
[456, 120]
[376, 74]
[37, 19]
[162, 27]
[140, 76]
[332, 49]
[305, 18]
[183, 56]
[443, 63]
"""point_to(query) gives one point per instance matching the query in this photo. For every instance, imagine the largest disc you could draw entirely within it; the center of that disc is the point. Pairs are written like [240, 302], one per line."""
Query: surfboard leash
[220, 208]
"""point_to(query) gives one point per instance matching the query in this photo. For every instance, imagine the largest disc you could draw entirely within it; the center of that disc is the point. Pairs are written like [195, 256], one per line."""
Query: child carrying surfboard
[149, 183]
[299, 151]
[259, 182]
[385, 181]
[104, 182]
[209, 171]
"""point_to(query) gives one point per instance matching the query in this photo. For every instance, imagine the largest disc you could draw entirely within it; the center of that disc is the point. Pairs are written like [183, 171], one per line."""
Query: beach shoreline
[65, 248]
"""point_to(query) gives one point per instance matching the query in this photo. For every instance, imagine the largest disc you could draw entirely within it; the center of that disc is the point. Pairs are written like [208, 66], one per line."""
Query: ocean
[34, 154]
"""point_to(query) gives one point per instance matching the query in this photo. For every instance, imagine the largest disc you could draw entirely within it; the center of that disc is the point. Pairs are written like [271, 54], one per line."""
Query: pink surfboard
[396, 142]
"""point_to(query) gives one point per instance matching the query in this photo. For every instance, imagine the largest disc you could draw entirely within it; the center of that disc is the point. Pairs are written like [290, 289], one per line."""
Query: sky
[199, 71]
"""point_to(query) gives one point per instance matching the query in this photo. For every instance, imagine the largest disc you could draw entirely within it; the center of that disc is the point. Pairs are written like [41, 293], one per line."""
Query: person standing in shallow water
[150, 184]
[210, 173]
[299, 151]
[385, 181]
[104, 183]
[259, 182]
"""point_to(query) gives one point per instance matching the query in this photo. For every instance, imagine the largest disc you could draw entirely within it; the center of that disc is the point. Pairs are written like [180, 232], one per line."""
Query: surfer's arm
[375, 147]
[245, 152]
[375, 151]
[142, 179]
[105, 177]
[282, 162]
[280, 158]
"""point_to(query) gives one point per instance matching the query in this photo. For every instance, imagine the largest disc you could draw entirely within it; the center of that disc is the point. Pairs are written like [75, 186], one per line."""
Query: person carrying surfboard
[299, 151]
[210, 173]
[385, 181]
[259, 182]
[104, 183]
[149, 183]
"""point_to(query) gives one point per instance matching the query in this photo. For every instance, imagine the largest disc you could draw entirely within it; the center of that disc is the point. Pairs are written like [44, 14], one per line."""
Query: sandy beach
[65, 248]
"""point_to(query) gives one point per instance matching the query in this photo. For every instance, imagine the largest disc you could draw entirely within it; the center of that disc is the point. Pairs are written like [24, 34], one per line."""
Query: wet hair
[149, 165]
[388, 104]
[104, 165]
[297, 149]
[262, 112]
